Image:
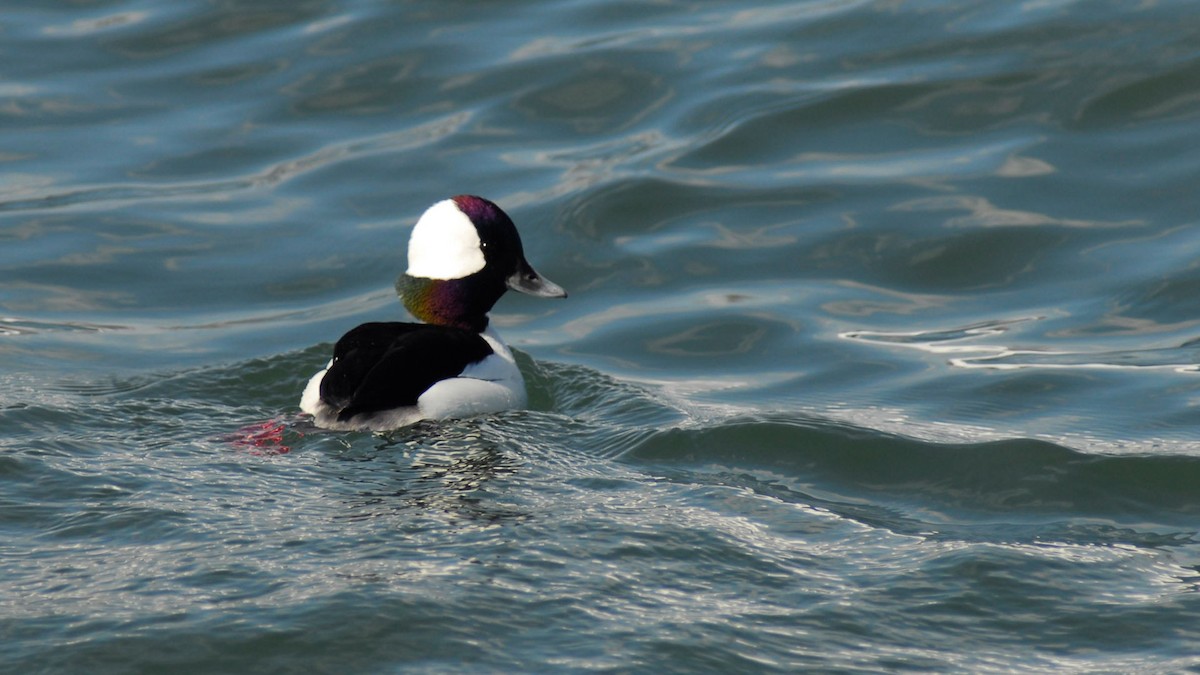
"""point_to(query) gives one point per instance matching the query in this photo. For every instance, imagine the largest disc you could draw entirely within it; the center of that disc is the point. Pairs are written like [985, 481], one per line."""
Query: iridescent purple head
[463, 254]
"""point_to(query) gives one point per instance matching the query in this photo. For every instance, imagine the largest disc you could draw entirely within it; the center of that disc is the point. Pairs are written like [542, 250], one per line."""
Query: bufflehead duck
[463, 254]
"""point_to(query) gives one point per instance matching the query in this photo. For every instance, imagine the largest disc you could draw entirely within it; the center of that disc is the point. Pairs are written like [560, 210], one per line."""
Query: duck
[464, 253]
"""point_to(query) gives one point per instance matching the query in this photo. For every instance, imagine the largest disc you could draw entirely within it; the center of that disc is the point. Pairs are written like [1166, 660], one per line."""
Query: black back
[385, 365]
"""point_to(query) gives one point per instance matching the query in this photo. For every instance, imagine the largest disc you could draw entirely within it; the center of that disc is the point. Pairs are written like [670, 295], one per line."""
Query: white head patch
[444, 244]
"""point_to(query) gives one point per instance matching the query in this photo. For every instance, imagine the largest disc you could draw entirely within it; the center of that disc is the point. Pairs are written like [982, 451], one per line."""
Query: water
[880, 352]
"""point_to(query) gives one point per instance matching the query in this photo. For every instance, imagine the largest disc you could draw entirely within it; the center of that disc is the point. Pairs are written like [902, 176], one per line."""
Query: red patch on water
[264, 438]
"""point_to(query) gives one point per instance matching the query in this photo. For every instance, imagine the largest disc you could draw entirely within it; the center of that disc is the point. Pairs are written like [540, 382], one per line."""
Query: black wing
[380, 366]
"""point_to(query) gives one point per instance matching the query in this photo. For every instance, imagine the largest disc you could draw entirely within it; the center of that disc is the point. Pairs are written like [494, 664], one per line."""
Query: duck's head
[463, 254]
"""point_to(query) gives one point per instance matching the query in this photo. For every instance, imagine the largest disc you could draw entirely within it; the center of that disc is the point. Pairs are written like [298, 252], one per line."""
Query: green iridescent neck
[443, 302]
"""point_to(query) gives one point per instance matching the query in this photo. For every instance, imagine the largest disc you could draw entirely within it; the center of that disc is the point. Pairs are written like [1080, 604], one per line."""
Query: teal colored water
[880, 353]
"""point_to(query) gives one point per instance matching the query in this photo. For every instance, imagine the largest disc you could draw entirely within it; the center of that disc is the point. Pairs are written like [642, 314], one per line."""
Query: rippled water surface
[881, 351]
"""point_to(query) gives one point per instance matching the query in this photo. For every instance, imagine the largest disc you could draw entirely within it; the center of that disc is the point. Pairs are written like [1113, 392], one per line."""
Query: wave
[584, 424]
[1016, 480]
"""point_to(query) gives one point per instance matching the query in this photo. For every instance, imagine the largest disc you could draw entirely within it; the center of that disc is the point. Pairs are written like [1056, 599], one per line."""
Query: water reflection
[94, 25]
[969, 347]
[981, 212]
[43, 194]
[712, 338]
[225, 21]
[602, 97]
[428, 469]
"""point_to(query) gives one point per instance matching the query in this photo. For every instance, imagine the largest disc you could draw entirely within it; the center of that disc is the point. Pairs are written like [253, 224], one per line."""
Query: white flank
[491, 385]
[310, 401]
[444, 244]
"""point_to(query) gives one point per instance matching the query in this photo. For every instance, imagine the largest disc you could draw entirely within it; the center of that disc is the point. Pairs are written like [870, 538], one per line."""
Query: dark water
[880, 353]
